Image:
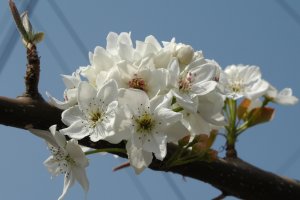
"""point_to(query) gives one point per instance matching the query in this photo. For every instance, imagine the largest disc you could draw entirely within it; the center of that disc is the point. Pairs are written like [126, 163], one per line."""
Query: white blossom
[146, 127]
[67, 158]
[196, 80]
[95, 113]
[284, 97]
[70, 93]
[243, 81]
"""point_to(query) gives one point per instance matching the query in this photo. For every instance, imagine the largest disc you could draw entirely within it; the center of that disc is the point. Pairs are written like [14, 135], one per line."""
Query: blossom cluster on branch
[150, 94]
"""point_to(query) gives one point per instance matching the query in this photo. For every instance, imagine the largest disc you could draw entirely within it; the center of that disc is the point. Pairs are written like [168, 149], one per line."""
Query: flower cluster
[149, 94]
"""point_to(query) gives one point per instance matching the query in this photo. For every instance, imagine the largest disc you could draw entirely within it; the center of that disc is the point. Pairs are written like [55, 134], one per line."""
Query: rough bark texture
[232, 176]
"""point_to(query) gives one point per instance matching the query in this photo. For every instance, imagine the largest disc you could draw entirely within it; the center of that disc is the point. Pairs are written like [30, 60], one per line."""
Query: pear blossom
[196, 80]
[101, 61]
[243, 80]
[146, 124]
[142, 77]
[67, 158]
[94, 115]
[120, 46]
[284, 97]
[70, 93]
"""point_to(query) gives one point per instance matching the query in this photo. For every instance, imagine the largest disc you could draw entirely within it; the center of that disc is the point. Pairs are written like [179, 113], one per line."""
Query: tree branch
[232, 176]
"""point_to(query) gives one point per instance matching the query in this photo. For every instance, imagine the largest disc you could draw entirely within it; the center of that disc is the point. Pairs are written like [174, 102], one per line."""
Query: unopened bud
[199, 147]
[184, 141]
[203, 138]
[185, 54]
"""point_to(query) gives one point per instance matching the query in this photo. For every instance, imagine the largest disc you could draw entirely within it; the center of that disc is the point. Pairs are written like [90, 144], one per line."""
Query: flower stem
[231, 129]
[231, 135]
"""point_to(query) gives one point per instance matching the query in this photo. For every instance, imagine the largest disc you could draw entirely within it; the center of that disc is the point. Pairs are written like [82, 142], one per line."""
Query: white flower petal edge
[138, 158]
[284, 97]
[67, 158]
[70, 93]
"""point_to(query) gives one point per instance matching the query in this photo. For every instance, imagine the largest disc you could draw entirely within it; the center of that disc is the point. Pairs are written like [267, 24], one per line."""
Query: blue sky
[231, 32]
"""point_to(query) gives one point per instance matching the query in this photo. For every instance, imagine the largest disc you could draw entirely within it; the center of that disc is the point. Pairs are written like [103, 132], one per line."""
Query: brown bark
[232, 176]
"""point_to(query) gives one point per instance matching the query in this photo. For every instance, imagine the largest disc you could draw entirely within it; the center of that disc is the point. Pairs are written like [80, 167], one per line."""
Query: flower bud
[185, 54]
[184, 141]
[203, 138]
[199, 147]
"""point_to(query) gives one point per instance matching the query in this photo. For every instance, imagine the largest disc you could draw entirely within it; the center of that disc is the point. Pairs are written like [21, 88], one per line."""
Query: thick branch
[232, 176]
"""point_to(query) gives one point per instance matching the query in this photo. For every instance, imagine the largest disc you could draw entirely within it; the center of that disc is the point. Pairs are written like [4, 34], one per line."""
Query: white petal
[59, 138]
[80, 175]
[145, 49]
[204, 72]
[175, 132]
[196, 124]
[99, 133]
[210, 104]
[285, 97]
[157, 144]
[68, 182]
[52, 165]
[77, 130]
[126, 71]
[124, 38]
[257, 90]
[109, 92]
[60, 104]
[112, 42]
[162, 59]
[71, 81]
[134, 99]
[185, 101]
[138, 158]
[76, 153]
[71, 115]
[86, 93]
[125, 52]
[168, 116]
[174, 72]
[152, 40]
[102, 60]
[122, 126]
[202, 88]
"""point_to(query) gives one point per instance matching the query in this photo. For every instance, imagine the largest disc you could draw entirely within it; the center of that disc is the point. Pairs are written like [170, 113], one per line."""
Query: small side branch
[32, 75]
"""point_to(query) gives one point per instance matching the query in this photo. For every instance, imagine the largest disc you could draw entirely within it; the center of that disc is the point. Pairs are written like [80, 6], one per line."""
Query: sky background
[264, 33]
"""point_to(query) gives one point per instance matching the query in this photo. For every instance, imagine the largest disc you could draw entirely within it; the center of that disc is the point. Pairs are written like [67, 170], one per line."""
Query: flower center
[95, 117]
[237, 87]
[185, 83]
[145, 123]
[137, 83]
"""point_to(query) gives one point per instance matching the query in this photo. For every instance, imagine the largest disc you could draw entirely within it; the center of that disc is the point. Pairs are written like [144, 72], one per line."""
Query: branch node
[230, 151]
